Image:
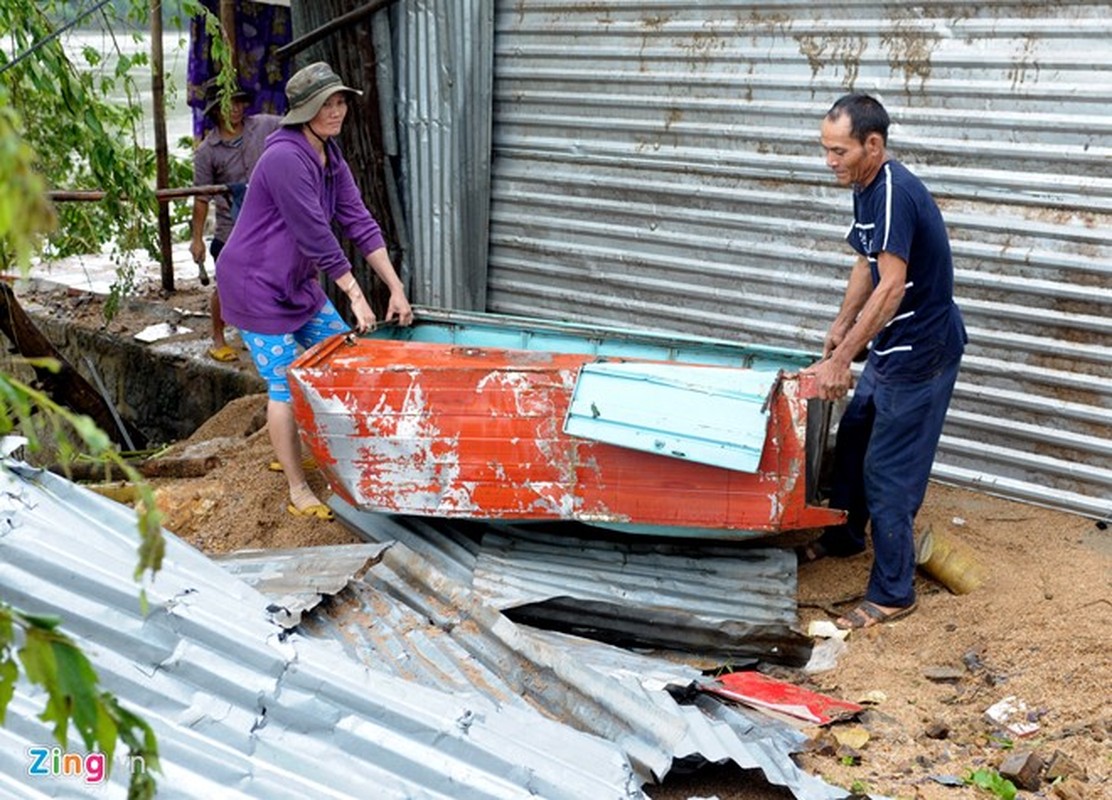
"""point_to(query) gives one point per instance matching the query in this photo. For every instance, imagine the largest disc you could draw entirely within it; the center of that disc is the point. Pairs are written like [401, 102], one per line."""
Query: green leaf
[9, 672]
[92, 122]
[37, 657]
[95, 439]
[76, 686]
[6, 629]
[994, 782]
[47, 622]
[106, 731]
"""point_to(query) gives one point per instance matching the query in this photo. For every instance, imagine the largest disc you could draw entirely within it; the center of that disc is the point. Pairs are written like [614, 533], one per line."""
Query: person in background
[899, 304]
[226, 156]
[269, 269]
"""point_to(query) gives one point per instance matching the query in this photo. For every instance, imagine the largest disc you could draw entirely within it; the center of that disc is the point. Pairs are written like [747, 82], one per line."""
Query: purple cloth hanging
[261, 29]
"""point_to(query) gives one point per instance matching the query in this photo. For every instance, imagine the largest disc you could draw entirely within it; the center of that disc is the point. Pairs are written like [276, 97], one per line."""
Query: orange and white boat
[502, 418]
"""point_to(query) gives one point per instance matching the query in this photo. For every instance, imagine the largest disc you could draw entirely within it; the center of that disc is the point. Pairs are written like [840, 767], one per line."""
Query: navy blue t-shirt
[896, 214]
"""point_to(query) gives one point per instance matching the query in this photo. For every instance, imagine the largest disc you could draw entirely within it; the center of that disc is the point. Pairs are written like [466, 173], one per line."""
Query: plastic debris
[163, 330]
[825, 655]
[826, 629]
[948, 780]
[1011, 714]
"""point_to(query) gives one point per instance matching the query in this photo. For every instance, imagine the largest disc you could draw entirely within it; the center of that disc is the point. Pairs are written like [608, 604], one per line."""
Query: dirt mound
[241, 504]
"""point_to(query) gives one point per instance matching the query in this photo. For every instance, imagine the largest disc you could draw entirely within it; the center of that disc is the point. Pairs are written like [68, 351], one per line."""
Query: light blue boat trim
[709, 415]
[473, 329]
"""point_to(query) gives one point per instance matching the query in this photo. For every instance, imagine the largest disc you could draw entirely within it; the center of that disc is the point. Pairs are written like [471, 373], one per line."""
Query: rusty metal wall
[656, 163]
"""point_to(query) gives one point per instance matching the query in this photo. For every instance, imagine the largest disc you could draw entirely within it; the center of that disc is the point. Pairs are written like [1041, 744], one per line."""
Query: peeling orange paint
[432, 429]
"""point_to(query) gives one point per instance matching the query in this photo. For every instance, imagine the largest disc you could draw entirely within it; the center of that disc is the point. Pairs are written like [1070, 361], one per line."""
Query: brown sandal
[869, 614]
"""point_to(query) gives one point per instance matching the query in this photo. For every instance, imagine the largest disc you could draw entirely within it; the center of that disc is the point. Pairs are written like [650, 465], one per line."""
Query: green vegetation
[83, 124]
[51, 660]
[48, 657]
[992, 781]
[58, 128]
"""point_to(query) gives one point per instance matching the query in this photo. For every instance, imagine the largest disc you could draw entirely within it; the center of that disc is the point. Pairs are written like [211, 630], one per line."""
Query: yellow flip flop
[224, 353]
[318, 510]
[307, 464]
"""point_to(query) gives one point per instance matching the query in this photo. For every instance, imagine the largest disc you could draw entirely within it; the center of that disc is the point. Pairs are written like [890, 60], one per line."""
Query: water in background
[175, 54]
[96, 272]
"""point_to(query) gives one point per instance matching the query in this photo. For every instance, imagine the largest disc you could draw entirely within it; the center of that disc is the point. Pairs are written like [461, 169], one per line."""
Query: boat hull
[445, 428]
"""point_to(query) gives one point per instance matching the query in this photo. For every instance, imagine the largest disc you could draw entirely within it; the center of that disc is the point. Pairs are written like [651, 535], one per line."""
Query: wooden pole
[177, 193]
[161, 152]
[228, 25]
[338, 23]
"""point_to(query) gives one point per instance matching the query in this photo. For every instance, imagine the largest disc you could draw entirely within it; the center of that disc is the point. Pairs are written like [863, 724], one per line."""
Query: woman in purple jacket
[283, 238]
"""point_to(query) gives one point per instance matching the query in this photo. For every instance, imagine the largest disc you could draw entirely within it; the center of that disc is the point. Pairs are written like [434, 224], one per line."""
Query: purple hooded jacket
[268, 269]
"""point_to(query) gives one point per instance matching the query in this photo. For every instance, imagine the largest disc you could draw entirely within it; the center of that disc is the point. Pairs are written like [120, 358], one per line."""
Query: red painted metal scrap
[757, 690]
[457, 431]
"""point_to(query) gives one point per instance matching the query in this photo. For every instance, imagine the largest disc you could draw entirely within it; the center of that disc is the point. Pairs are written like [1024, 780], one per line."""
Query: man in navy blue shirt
[899, 305]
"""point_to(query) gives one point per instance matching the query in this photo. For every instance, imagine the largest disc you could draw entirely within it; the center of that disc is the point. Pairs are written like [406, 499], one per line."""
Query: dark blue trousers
[883, 454]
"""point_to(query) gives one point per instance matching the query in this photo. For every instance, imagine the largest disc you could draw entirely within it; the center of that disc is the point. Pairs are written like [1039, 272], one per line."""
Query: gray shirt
[220, 160]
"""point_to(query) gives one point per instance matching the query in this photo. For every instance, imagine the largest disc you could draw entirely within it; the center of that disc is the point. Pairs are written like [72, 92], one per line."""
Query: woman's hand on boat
[364, 316]
[399, 309]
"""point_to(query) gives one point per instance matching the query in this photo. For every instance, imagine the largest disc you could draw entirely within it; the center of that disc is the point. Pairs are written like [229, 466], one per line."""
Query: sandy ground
[1037, 630]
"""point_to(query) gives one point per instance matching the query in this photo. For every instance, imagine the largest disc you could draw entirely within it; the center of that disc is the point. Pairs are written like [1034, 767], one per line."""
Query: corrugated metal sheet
[719, 732]
[718, 599]
[298, 580]
[240, 708]
[656, 163]
[444, 76]
[409, 619]
[404, 618]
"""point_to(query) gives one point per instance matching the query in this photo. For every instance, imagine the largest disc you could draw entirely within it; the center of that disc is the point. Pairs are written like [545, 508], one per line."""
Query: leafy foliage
[24, 212]
[51, 660]
[84, 125]
[993, 781]
[221, 52]
[32, 413]
[48, 657]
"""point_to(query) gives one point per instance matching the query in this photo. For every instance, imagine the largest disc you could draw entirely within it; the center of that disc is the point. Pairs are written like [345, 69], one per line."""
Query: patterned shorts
[274, 352]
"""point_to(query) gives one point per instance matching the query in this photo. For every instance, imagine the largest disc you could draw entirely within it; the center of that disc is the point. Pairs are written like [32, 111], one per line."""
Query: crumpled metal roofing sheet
[718, 732]
[297, 580]
[719, 600]
[240, 708]
[389, 622]
[752, 591]
[494, 652]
